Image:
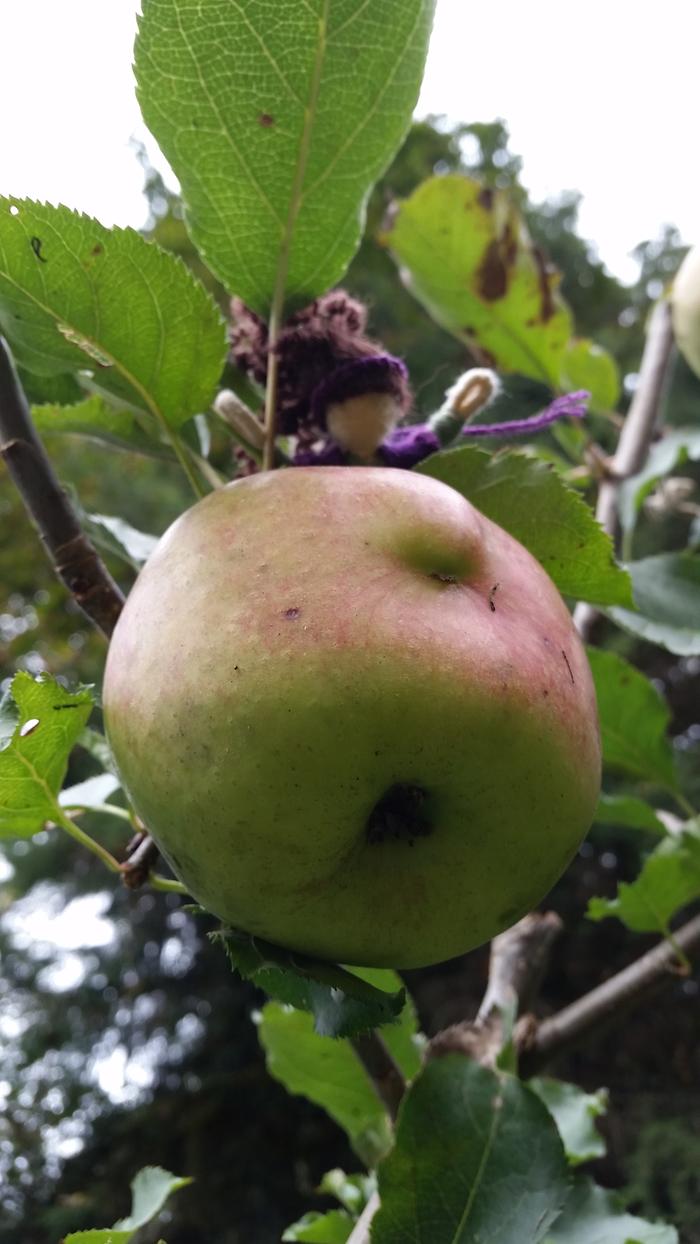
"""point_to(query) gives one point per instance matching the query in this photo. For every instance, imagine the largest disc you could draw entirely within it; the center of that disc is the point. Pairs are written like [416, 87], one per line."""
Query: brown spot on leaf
[97, 249]
[36, 245]
[547, 307]
[266, 120]
[494, 272]
[492, 277]
[509, 245]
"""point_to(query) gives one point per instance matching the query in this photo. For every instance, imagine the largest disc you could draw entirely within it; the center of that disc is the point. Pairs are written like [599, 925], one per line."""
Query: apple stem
[168, 885]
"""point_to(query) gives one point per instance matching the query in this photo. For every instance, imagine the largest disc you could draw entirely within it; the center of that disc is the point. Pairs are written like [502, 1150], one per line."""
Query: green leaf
[586, 365]
[334, 1227]
[341, 1002]
[528, 499]
[673, 450]
[96, 745]
[98, 420]
[330, 1074]
[105, 1235]
[76, 295]
[629, 811]
[353, 1191]
[278, 121]
[667, 595]
[593, 1215]
[477, 1157]
[92, 793]
[33, 763]
[574, 1113]
[60, 390]
[115, 535]
[471, 263]
[669, 879]
[150, 1190]
[634, 720]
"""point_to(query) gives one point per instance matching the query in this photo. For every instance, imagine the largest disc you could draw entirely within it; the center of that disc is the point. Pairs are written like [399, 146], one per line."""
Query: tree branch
[72, 554]
[384, 1073]
[519, 958]
[636, 435]
[626, 989]
[518, 961]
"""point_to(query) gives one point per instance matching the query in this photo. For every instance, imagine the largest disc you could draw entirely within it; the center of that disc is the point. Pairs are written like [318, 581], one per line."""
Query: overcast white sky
[600, 97]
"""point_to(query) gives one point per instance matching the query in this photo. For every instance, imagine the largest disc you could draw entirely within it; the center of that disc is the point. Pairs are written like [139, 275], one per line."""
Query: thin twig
[72, 554]
[268, 459]
[59, 817]
[361, 1231]
[141, 855]
[627, 988]
[636, 435]
[384, 1073]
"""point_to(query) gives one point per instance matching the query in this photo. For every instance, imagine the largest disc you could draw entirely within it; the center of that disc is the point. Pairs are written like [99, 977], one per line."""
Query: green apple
[354, 714]
[685, 304]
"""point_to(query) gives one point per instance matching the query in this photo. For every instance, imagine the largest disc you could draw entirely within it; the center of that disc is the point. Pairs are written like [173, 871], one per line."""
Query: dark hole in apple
[401, 813]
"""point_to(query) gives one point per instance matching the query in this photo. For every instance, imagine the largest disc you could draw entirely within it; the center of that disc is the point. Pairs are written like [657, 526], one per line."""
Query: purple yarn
[404, 447]
[377, 373]
[570, 404]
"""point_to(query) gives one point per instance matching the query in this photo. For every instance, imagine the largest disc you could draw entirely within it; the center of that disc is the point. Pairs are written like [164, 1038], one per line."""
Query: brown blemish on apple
[444, 578]
[400, 814]
[571, 674]
[292, 613]
[492, 593]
